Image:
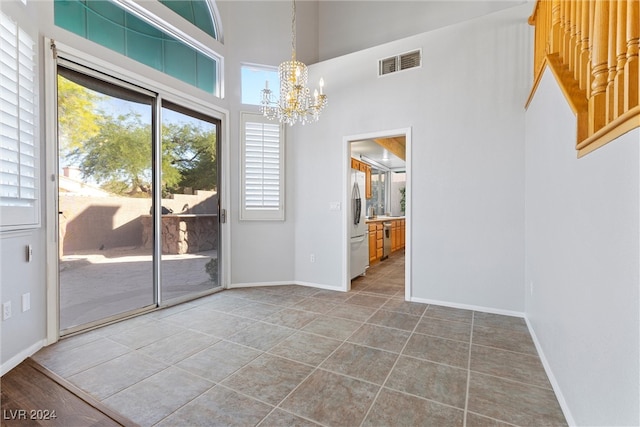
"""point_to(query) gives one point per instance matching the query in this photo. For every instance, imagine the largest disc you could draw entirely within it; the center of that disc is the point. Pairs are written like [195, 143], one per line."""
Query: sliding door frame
[56, 50]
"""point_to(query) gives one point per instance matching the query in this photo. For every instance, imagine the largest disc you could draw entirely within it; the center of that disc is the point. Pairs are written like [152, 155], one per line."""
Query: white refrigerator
[359, 232]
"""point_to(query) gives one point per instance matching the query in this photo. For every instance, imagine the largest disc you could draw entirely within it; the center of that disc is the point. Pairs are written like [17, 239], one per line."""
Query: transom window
[143, 37]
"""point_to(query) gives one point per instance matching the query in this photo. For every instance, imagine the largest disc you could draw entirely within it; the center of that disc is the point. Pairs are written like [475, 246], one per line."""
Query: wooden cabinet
[398, 230]
[363, 167]
[372, 243]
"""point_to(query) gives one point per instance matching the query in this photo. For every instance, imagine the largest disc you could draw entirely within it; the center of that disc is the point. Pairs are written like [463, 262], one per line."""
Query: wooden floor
[31, 395]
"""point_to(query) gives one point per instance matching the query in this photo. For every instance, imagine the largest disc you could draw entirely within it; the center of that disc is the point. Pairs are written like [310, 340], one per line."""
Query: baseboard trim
[21, 357]
[288, 283]
[469, 307]
[552, 379]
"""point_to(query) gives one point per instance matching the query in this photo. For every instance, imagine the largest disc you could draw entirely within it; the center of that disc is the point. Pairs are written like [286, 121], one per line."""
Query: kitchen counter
[383, 218]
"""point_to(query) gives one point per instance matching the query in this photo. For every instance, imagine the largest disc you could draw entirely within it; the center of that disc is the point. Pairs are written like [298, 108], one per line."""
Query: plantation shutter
[18, 151]
[263, 172]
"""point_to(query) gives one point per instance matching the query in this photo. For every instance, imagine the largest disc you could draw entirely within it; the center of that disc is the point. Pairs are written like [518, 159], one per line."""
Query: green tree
[77, 116]
[190, 151]
[120, 153]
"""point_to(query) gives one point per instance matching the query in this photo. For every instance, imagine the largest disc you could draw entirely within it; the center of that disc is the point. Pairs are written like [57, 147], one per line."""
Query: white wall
[350, 26]
[468, 158]
[24, 332]
[260, 33]
[583, 261]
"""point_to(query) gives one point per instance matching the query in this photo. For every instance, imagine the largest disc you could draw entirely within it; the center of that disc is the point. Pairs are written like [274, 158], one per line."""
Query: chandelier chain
[293, 29]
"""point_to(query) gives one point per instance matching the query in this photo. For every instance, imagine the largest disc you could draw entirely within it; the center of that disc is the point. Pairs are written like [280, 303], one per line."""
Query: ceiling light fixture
[295, 103]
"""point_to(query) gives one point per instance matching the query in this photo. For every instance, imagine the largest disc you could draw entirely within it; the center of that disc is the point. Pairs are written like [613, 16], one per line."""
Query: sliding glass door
[109, 133]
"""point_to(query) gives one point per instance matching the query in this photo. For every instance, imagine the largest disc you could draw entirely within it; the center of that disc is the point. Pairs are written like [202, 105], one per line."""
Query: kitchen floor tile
[459, 331]
[433, 381]
[331, 399]
[440, 350]
[268, 378]
[392, 319]
[520, 367]
[358, 313]
[364, 363]
[380, 337]
[218, 407]
[367, 300]
[174, 348]
[401, 306]
[280, 418]
[393, 408]
[513, 402]
[261, 335]
[332, 327]
[217, 362]
[291, 318]
[499, 321]
[449, 313]
[505, 339]
[305, 348]
[154, 398]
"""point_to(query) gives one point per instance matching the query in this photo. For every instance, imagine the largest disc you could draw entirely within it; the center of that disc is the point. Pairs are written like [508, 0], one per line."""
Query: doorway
[385, 159]
[137, 199]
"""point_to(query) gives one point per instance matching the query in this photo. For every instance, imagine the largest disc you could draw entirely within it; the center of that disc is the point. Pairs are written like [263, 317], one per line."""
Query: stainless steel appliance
[386, 240]
[359, 233]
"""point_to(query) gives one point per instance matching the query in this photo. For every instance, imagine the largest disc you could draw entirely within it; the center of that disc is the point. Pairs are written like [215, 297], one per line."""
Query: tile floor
[291, 355]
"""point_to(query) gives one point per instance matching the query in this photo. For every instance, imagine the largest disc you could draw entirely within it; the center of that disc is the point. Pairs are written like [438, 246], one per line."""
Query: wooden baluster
[631, 74]
[555, 27]
[572, 35]
[585, 51]
[563, 29]
[621, 59]
[566, 59]
[599, 67]
[576, 47]
[611, 59]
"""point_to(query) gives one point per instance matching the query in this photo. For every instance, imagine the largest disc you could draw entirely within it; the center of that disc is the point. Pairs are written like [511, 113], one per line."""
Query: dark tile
[331, 399]
[500, 321]
[436, 349]
[268, 378]
[218, 407]
[280, 418]
[332, 327]
[117, 374]
[154, 398]
[305, 348]
[393, 408]
[261, 335]
[365, 363]
[401, 306]
[291, 318]
[518, 341]
[380, 337]
[315, 305]
[449, 313]
[392, 319]
[367, 300]
[520, 367]
[358, 313]
[475, 420]
[433, 381]
[256, 310]
[219, 361]
[513, 402]
[459, 331]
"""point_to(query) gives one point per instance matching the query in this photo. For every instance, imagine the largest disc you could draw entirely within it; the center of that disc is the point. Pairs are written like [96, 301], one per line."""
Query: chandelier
[295, 103]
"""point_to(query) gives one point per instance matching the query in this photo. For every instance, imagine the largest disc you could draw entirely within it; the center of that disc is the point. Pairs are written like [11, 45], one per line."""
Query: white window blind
[262, 169]
[18, 150]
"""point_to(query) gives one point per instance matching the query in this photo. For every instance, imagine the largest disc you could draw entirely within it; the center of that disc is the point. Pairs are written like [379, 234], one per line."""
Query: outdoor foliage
[115, 151]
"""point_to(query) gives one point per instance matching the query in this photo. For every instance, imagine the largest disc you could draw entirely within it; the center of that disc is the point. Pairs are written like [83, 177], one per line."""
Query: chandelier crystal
[296, 103]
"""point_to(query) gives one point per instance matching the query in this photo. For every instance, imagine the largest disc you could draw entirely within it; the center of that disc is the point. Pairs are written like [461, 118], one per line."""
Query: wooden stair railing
[591, 46]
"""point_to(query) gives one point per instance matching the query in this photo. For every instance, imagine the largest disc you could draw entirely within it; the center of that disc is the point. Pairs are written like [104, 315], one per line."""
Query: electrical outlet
[312, 258]
[26, 301]
[6, 310]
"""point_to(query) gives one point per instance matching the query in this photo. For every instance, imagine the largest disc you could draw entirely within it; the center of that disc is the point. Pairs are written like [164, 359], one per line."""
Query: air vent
[410, 60]
[388, 65]
[399, 62]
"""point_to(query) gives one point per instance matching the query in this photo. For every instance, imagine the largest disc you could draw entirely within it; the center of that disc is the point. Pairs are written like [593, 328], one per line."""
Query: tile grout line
[466, 399]
[373, 402]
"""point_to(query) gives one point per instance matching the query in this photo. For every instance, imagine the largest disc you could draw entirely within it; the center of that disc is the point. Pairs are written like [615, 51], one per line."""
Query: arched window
[140, 35]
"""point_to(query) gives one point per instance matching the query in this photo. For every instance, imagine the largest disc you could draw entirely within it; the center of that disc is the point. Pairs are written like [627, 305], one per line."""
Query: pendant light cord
[293, 29]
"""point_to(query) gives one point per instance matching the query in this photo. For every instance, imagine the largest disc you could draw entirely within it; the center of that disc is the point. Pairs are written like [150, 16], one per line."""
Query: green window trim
[106, 23]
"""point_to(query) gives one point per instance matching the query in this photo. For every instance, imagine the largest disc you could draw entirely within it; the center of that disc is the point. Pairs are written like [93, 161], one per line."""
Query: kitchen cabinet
[363, 167]
[376, 242]
[398, 230]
